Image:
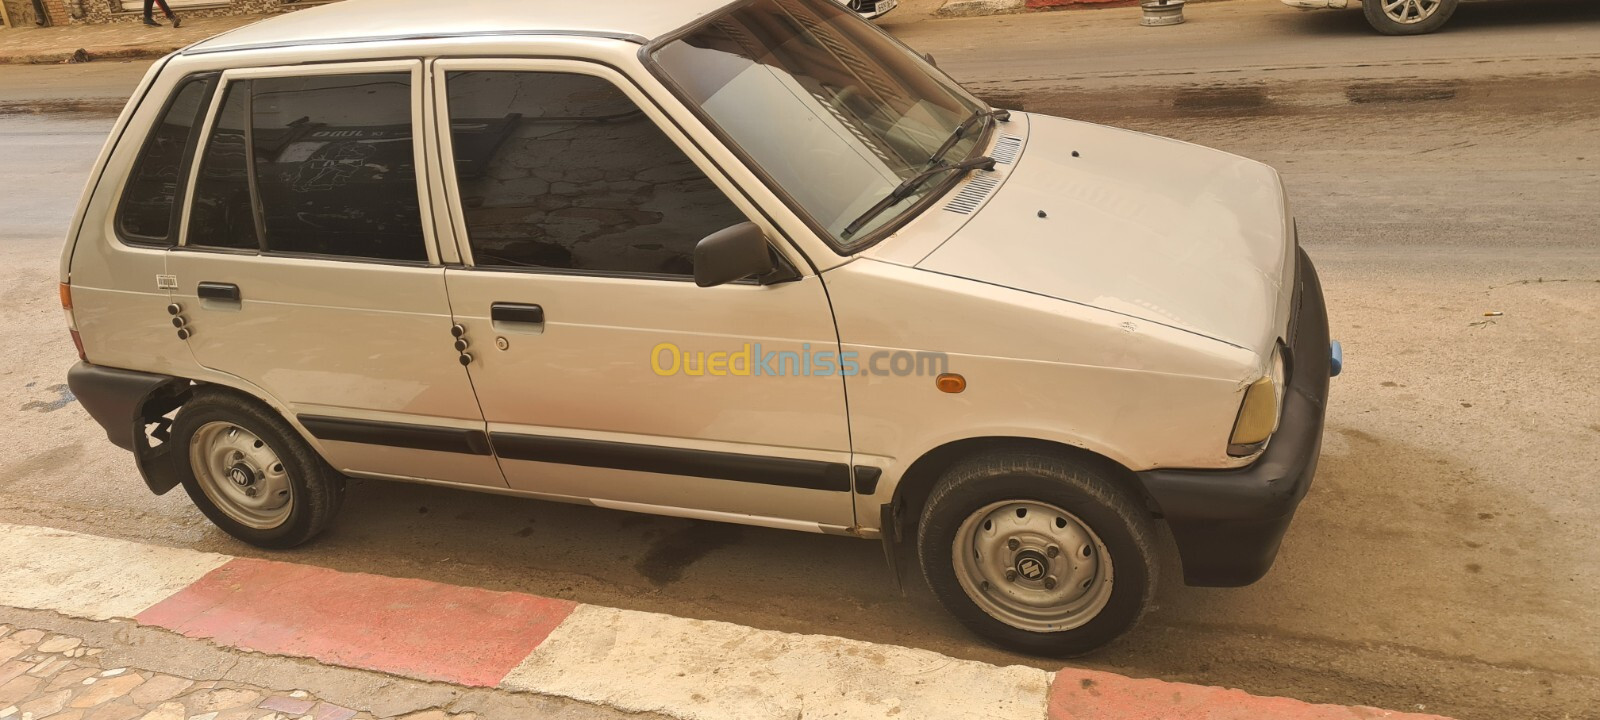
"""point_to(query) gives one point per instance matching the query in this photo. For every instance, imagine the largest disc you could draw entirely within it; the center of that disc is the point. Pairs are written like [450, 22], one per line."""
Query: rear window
[159, 173]
[321, 165]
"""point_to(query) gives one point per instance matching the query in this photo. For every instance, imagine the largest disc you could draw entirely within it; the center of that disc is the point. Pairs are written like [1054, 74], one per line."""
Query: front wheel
[1037, 553]
[1408, 17]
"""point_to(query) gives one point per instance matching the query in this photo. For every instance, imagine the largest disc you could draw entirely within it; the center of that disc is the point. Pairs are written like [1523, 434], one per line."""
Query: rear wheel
[1408, 17]
[1037, 553]
[251, 474]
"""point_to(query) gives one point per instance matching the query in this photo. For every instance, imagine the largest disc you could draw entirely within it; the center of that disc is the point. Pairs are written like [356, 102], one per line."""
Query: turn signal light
[72, 323]
[950, 383]
[1259, 413]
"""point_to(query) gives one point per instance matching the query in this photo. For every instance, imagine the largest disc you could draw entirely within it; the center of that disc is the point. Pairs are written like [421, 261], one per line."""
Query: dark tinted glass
[146, 212]
[328, 161]
[563, 171]
[335, 166]
[222, 215]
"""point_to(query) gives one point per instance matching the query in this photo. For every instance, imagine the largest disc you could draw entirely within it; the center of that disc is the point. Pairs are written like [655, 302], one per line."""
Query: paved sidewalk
[617, 660]
[56, 676]
[83, 43]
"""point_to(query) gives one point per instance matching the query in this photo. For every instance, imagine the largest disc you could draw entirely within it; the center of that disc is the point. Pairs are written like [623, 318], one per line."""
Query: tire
[250, 473]
[1419, 16]
[1041, 501]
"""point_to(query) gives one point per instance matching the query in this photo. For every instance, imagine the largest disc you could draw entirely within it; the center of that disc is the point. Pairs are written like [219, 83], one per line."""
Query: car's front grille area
[973, 193]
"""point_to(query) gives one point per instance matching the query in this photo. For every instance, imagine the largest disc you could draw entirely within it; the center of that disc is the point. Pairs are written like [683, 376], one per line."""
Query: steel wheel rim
[1410, 12]
[1004, 561]
[241, 475]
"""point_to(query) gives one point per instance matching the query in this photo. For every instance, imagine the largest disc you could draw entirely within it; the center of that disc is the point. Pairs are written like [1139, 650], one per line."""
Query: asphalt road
[1447, 556]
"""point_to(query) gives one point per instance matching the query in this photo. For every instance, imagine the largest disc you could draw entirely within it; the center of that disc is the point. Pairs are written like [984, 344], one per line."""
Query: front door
[307, 274]
[603, 371]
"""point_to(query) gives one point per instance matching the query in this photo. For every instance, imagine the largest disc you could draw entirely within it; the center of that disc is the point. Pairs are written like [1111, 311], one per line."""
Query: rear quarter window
[148, 212]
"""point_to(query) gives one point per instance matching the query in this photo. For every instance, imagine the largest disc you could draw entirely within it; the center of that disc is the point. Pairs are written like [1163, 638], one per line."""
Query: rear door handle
[517, 315]
[218, 291]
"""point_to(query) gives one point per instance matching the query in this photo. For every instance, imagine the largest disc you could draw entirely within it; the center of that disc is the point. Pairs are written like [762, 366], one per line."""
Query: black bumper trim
[115, 398]
[124, 402]
[1228, 524]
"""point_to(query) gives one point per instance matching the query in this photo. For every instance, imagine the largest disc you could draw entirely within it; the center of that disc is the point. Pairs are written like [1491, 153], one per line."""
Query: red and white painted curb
[631, 661]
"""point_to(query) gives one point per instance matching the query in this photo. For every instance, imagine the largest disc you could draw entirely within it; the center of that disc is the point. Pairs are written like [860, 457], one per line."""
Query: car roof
[370, 20]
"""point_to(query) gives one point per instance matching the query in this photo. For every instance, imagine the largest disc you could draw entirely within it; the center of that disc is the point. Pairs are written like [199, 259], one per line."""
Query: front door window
[563, 172]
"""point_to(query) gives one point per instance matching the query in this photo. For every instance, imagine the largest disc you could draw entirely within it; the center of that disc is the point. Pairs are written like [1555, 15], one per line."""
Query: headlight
[1258, 414]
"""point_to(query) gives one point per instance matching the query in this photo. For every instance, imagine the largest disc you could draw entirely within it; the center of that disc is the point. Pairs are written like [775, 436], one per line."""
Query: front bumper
[1228, 523]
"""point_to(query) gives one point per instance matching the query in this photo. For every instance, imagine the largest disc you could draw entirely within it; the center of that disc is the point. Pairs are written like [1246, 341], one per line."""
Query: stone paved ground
[47, 675]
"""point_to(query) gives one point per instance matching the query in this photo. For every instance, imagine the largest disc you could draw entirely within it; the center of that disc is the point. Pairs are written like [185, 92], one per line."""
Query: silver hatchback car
[754, 262]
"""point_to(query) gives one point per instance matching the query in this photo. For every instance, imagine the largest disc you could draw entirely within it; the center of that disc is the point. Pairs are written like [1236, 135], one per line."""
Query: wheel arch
[914, 486]
[156, 464]
[245, 390]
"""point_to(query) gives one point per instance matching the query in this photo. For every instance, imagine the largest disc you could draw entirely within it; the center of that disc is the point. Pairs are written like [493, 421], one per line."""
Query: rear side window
[150, 198]
[313, 165]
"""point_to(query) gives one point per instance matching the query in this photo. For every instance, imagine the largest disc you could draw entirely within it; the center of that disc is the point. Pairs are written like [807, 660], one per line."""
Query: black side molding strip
[867, 479]
[417, 437]
[788, 472]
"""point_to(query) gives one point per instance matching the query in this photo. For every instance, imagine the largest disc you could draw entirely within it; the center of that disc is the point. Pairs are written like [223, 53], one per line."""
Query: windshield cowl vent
[1005, 149]
[973, 193]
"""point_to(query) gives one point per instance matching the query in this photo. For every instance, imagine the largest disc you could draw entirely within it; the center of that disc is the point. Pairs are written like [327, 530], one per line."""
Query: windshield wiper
[965, 127]
[910, 185]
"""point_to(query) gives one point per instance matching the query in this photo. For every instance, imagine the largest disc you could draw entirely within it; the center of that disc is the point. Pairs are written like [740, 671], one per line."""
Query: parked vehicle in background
[636, 254]
[1392, 17]
[871, 9]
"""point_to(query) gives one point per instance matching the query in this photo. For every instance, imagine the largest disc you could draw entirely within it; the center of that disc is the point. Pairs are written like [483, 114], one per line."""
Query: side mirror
[730, 254]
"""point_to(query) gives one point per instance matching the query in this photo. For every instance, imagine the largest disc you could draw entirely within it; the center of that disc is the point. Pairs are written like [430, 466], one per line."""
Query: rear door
[307, 271]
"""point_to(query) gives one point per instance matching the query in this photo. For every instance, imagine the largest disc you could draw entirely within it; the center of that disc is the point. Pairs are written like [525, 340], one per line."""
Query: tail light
[72, 323]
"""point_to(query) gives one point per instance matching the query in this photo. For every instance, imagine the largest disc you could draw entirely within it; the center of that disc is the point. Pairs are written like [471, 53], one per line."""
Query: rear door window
[162, 167]
[321, 165]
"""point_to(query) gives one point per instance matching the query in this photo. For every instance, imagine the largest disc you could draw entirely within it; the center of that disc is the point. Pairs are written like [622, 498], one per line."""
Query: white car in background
[871, 9]
[1392, 17]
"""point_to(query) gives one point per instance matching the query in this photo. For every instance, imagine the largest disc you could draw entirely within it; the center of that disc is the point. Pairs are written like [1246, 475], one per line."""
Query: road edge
[620, 659]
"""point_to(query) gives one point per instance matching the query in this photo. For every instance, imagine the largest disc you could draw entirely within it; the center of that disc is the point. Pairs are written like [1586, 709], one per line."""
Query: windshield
[834, 111]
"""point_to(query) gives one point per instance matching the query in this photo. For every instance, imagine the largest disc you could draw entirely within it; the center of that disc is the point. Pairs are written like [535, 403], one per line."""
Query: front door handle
[228, 292]
[517, 314]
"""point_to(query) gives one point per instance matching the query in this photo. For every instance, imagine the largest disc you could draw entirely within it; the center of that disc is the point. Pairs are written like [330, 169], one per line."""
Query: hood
[1156, 229]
